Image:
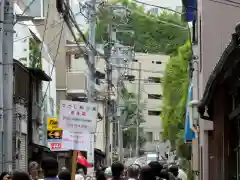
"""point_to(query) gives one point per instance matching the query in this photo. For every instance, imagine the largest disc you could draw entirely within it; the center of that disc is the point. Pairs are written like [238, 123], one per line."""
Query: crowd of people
[153, 171]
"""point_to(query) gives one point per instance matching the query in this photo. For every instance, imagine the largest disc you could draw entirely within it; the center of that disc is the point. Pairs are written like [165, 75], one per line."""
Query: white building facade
[152, 70]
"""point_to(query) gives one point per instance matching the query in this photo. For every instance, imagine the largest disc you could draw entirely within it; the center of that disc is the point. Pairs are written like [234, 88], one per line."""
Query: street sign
[55, 146]
[52, 124]
[54, 134]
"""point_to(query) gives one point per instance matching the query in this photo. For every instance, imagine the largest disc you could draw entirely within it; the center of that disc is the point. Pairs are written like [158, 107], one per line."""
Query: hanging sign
[76, 141]
[52, 123]
[54, 135]
[78, 116]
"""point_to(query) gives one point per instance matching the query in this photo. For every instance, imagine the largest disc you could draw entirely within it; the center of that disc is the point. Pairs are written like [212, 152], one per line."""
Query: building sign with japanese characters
[78, 116]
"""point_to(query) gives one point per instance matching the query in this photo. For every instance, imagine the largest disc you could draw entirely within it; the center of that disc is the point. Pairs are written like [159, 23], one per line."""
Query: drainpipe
[29, 123]
[193, 108]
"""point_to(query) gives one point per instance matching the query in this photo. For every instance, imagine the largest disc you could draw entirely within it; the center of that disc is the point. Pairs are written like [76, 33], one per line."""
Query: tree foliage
[161, 33]
[129, 114]
[175, 91]
[35, 55]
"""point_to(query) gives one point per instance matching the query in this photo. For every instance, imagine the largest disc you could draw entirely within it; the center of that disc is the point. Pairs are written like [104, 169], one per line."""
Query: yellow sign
[52, 124]
[55, 134]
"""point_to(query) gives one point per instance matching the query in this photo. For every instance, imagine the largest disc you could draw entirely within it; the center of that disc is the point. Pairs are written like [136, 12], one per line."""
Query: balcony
[76, 83]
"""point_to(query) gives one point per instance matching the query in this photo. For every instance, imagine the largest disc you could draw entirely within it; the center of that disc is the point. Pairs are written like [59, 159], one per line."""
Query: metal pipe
[1, 84]
[138, 110]
[8, 83]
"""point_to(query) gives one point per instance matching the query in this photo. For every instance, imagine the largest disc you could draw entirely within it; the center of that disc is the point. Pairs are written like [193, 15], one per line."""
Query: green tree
[175, 92]
[161, 33]
[129, 112]
[35, 55]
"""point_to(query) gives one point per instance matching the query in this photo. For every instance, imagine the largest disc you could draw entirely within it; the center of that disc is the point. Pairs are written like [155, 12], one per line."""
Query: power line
[54, 61]
[26, 9]
[30, 30]
[45, 27]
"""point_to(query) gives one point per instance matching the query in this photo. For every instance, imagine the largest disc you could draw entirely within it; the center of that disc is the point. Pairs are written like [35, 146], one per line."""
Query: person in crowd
[33, 169]
[80, 175]
[101, 176]
[146, 173]
[4, 176]
[64, 175]
[108, 173]
[21, 176]
[174, 170]
[165, 174]
[50, 169]
[156, 168]
[133, 172]
[117, 170]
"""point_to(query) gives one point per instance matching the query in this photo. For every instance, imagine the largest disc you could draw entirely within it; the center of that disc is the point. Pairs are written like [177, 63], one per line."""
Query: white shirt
[182, 175]
[79, 177]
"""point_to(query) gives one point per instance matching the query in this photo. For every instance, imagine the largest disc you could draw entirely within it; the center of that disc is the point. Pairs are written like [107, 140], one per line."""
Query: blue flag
[190, 132]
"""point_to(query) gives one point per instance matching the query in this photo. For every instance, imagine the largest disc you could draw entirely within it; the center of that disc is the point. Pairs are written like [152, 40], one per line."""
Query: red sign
[56, 146]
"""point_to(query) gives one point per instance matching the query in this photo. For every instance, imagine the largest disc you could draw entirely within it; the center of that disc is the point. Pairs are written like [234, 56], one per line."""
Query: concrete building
[152, 69]
[28, 35]
[214, 153]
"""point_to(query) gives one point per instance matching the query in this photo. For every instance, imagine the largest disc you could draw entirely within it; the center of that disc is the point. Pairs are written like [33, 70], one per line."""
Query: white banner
[78, 116]
[76, 141]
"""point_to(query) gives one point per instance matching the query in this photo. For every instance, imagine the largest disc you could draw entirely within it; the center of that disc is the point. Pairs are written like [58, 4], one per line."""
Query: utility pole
[1, 83]
[108, 107]
[138, 110]
[91, 53]
[119, 115]
[8, 83]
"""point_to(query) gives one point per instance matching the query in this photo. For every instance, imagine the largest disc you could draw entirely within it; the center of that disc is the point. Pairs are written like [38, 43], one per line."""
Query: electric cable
[54, 61]
[224, 3]
[45, 27]
[26, 9]
[19, 39]
[73, 20]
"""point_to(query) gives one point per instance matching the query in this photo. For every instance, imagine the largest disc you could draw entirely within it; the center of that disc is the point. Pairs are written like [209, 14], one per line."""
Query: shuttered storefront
[23, 153]
[20, 136]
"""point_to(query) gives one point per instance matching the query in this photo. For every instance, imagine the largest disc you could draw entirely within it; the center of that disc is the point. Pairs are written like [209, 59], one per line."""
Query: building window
[158, 62]
[153, 62]
[154, 79]
[154, 113]
[135, 60]
[154, 96]
[129, 77]
[35, 8]
[149, 136]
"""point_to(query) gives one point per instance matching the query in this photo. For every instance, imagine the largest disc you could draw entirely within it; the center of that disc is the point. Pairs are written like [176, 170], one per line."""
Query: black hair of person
[101, 176]
[156, 167]
[117, 169]
[50, 167]
[146, 173]
[20, 176]
[174, 170]
[164, 174]
[64, 175]
[3, 174]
